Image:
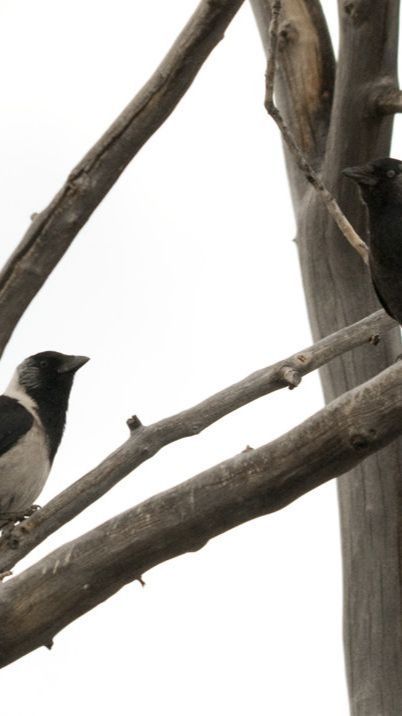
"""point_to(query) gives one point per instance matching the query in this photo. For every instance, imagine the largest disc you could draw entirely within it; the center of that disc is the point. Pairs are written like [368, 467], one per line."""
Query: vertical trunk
[338, 292]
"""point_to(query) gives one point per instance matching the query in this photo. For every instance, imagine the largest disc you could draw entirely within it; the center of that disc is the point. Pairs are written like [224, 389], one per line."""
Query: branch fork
[304, 165]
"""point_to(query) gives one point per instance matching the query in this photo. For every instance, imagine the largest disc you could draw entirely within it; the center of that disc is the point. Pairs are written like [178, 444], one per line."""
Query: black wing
[15, 421]
[383, 304]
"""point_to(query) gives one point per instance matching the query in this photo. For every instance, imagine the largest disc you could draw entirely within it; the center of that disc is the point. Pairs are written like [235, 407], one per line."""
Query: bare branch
[146, 441]
[53, 229]
[311, 175]
[36, 604]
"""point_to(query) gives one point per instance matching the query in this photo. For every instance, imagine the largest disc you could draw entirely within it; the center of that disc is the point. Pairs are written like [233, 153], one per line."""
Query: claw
[31, 510]
[15, 517]
[8, 520]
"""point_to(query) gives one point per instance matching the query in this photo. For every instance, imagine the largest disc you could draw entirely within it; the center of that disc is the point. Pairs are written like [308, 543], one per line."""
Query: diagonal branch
[36, 604]
[305, 166]
[145, 442]
[53, 230]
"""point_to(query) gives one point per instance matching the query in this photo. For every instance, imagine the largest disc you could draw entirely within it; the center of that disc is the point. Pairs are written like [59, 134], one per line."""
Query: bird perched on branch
[380, 183]
[32, 418]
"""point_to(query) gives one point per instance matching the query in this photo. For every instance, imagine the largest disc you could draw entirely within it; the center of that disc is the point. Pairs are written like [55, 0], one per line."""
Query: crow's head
[380, 181]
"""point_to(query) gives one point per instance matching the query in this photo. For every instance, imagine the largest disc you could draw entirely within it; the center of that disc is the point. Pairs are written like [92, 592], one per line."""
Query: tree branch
[144, 442]
[36, 604]
[311, 175]
[53, 230]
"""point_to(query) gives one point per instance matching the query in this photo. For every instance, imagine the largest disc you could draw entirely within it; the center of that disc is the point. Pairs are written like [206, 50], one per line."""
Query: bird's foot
[9, 520]
[5, 574]
[30, 511]
[15, 517]
[7, 536]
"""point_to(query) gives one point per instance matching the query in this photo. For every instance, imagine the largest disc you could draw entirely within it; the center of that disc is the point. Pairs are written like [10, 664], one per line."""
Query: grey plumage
[32, 418]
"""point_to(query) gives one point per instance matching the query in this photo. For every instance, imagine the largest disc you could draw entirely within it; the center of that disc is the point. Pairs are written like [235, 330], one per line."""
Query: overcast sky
[184, 280]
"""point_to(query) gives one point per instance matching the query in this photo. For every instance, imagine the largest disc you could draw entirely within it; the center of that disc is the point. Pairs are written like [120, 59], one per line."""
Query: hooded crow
[32, 418]
[380, 184]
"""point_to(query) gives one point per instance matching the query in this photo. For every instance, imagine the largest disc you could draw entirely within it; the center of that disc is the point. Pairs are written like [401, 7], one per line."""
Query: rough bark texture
[36, 604]
[338, 292]
[53, 230]
[72, 580]
[146, 441]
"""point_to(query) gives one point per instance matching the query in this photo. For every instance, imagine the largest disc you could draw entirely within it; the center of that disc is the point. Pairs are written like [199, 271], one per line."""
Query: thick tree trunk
[338, 292]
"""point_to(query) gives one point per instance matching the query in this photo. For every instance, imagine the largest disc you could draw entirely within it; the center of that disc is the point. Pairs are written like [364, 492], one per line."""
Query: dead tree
[342, 116]
[336, 116]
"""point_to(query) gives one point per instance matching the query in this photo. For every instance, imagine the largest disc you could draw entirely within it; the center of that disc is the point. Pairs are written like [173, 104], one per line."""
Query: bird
[33, 412]
[380, 184]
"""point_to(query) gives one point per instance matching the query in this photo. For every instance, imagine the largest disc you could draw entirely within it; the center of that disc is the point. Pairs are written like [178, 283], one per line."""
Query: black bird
[32, 418]
[380, 183]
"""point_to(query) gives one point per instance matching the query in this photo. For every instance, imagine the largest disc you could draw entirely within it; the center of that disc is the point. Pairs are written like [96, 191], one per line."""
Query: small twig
[311, 175]
[247, 448]
[388, 101]
[291, 376]
[134, 423]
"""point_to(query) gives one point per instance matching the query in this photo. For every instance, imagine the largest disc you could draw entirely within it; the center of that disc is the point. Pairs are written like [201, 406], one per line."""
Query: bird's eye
[43, 363]
[391, 173]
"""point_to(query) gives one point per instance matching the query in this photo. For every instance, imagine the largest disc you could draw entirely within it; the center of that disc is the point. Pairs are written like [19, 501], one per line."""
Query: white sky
[184, 281]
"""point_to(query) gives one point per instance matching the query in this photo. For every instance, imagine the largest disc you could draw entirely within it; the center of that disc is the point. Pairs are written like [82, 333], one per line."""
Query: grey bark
[146, 441]
[43, 599]
[352, 131]
[32, 608]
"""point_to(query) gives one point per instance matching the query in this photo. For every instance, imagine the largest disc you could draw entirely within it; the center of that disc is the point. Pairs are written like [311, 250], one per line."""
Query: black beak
[71, 363]
[361, 175]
